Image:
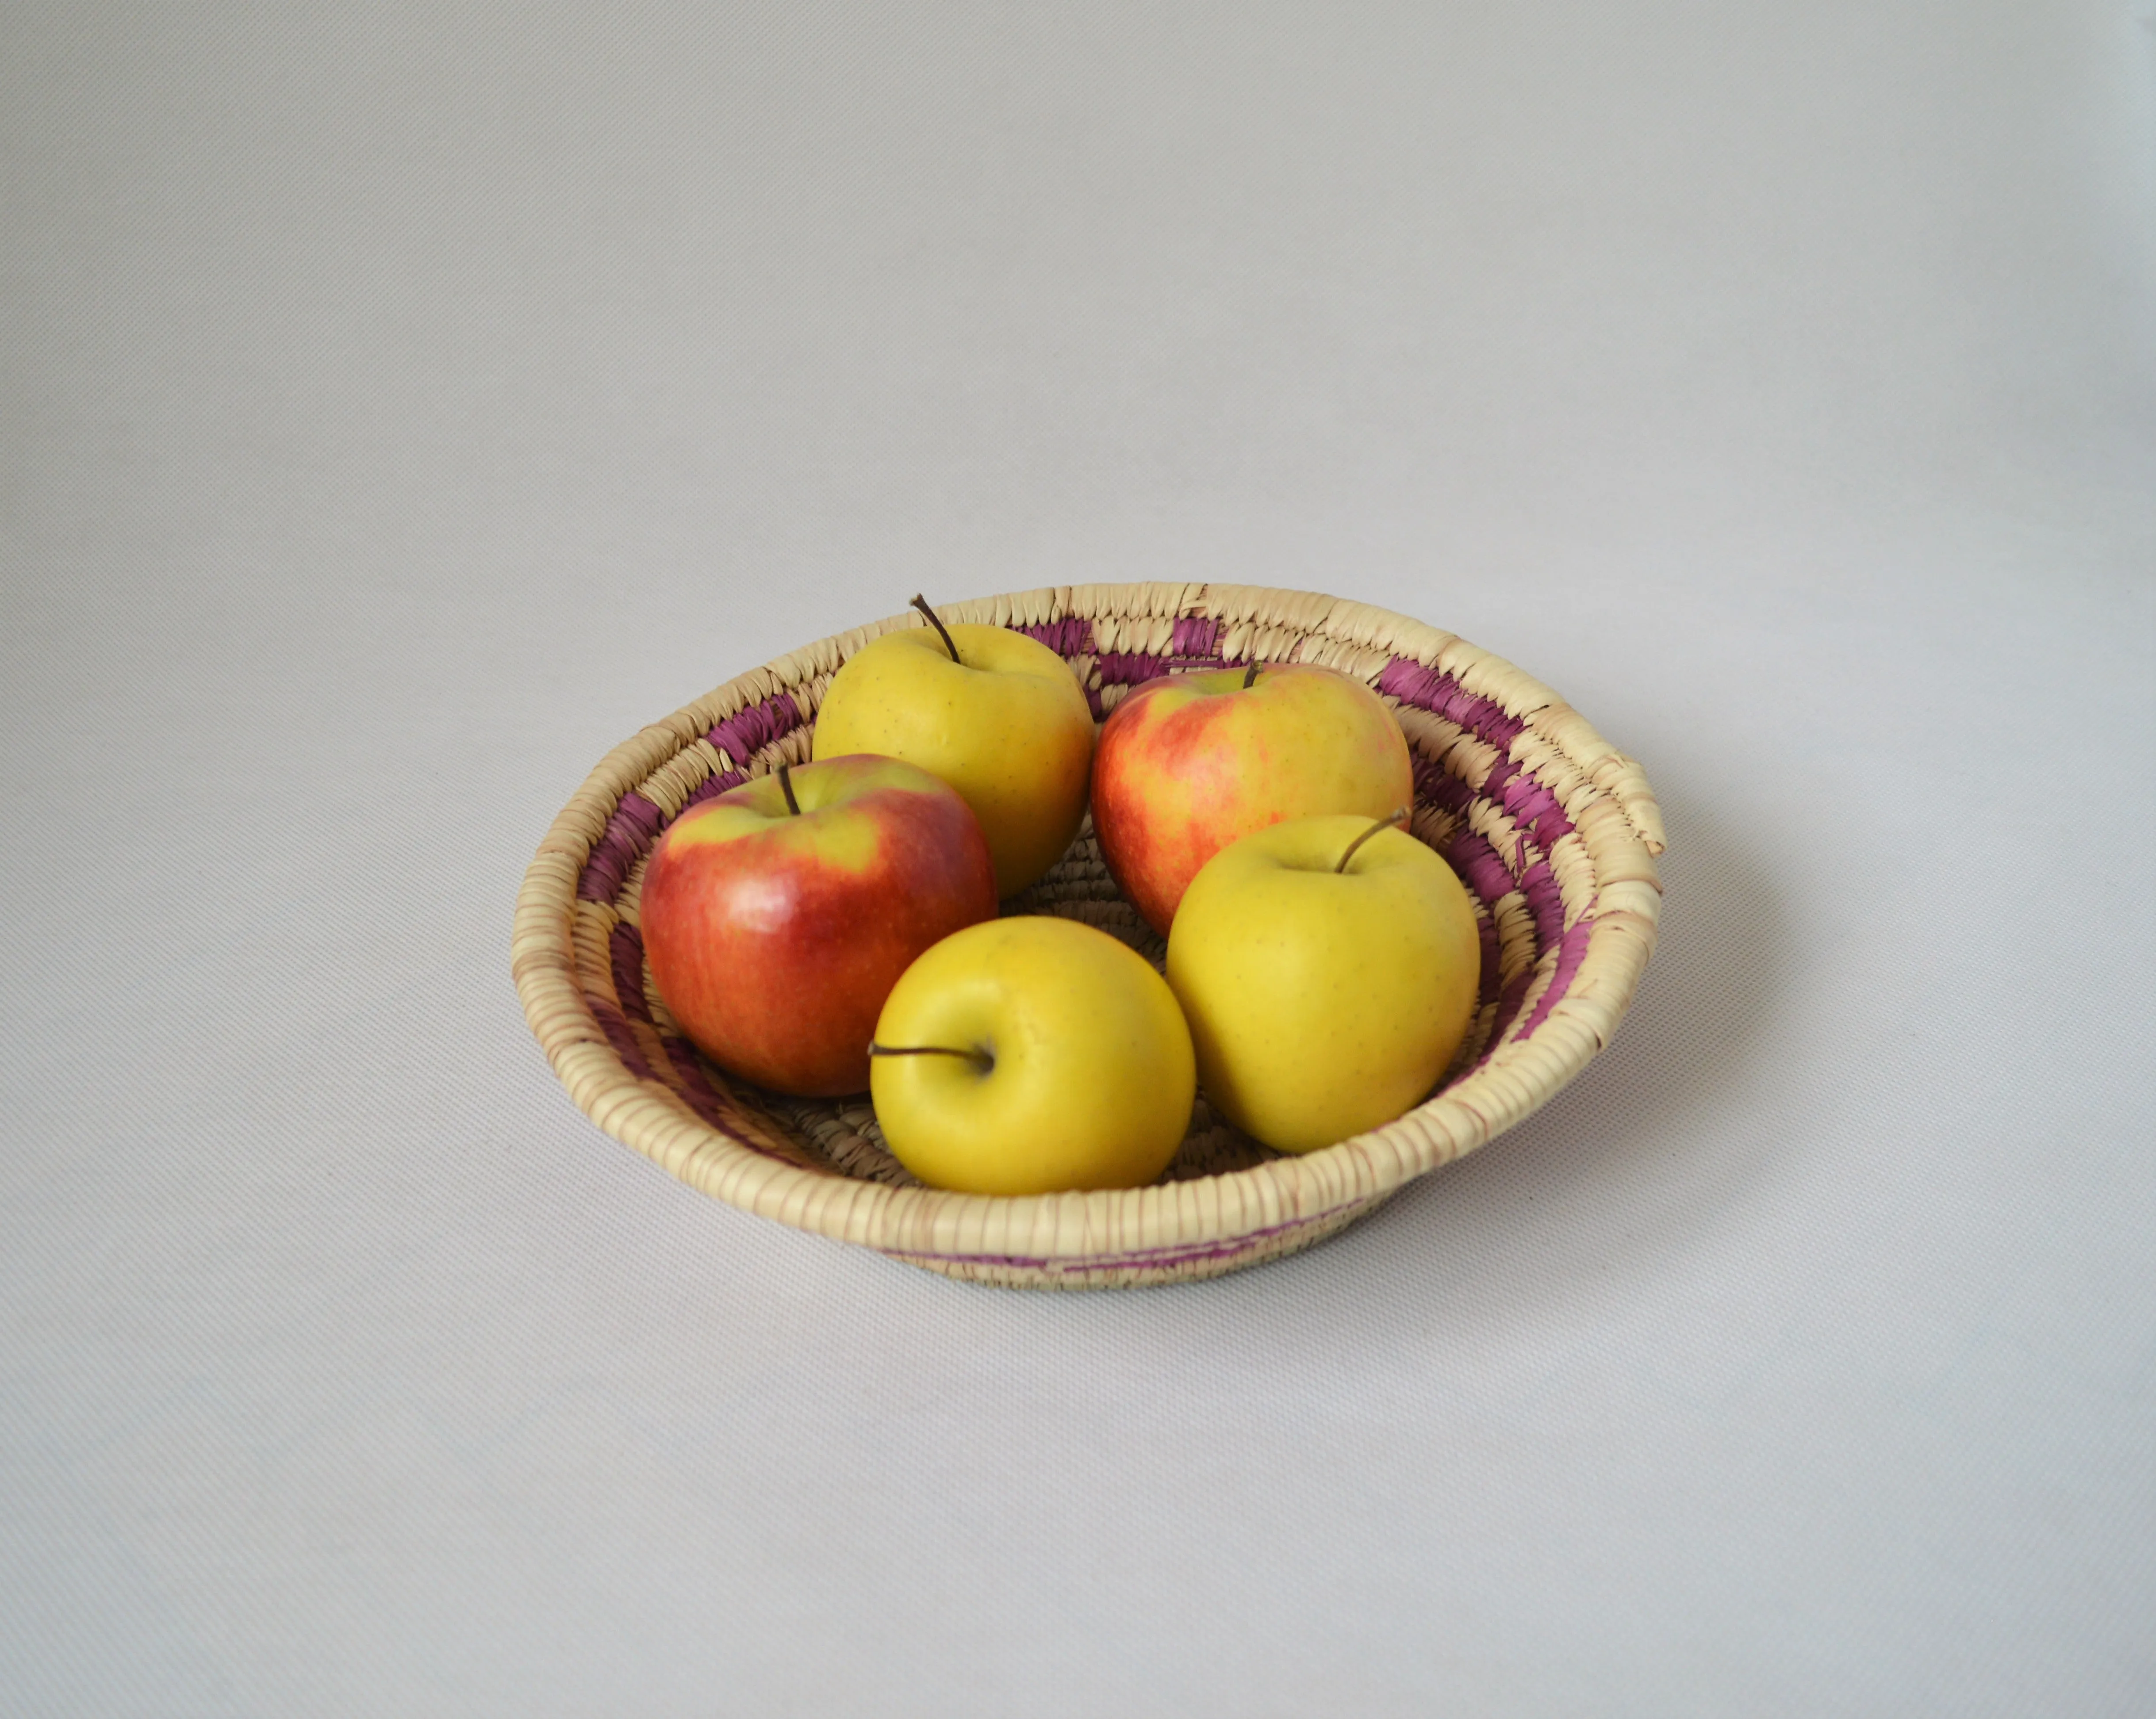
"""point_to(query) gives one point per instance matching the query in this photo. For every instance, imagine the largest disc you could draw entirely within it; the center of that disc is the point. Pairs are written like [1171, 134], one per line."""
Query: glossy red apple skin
[1189, 763]
[774, 938]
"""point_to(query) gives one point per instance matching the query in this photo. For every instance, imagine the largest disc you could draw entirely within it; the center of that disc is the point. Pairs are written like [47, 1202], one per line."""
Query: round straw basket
[1553, 830]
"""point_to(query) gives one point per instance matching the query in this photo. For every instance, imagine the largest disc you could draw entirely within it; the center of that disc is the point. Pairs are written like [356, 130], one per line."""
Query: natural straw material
[1553, 830]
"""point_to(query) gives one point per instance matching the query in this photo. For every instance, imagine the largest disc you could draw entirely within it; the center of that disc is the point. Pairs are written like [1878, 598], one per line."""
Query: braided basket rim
[1176, 1229]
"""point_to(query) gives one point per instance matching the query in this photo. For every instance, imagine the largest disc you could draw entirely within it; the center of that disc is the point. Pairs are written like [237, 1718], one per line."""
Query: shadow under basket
[1553, 831]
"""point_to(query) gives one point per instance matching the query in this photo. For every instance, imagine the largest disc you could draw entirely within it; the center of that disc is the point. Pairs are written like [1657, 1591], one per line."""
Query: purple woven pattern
[1195, 636]
[758, 725]
[1067, 639]
[1491, 881]
[626, 838]
[620, 1035]
[625, 947]
[1527, 802]
[1414, 683]
[1571, 950]
[1194, 645]
[1534, 811]
[637, 822]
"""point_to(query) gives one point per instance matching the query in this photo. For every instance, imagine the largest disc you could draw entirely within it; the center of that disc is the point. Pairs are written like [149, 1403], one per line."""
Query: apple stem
[980, 1059]
[1249, 677]
[1399, 816]
[920, 603]
[786, 787]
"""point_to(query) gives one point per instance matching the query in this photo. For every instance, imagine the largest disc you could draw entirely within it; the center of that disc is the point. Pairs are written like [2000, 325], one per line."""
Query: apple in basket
[1327, 968]
[1032, 1054]
[778, 916]
[1189, 763]
[997, 715]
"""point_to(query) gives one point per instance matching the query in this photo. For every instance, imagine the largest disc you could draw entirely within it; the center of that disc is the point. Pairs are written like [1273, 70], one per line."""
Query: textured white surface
[398, 405]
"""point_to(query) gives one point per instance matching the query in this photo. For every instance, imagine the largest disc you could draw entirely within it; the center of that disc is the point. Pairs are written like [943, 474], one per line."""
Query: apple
[1032, 1054]
[997, 715]
[778, 916]
[1329, 968]
[1189, 763]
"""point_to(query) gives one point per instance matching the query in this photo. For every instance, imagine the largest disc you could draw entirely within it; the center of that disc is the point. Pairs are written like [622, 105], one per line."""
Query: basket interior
[1492, 819]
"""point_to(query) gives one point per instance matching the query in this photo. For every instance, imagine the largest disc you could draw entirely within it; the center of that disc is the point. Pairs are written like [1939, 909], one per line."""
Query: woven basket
[1553, 830]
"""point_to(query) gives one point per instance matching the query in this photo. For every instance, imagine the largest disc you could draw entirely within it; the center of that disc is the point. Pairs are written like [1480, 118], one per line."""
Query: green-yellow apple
[1030, 1055]
[997, 715]
[1323, 1000]
[778, 916]
[1189, 763]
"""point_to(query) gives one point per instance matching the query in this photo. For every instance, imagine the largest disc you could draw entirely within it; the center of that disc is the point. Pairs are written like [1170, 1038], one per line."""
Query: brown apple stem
[786, 787]
[980, 1059]
[920, 603]
[1399, 816]
[1249, 677]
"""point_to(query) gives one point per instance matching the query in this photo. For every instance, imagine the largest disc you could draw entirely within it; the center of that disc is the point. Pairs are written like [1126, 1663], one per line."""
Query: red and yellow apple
[1189, 763]
[1032, 1054]
[778, 916]
[997, 715]
[1323, 1000]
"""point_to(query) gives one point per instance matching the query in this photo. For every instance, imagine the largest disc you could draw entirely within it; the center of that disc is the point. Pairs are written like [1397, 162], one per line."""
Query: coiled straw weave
[1553, 830]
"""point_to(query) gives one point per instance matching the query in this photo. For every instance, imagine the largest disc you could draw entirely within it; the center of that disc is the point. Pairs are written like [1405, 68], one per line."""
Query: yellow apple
[1323, 1002]
[1032, 1055]
[998, 715]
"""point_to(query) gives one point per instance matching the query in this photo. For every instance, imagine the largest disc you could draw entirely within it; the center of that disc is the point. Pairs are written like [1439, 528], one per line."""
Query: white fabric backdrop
[400, 404]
